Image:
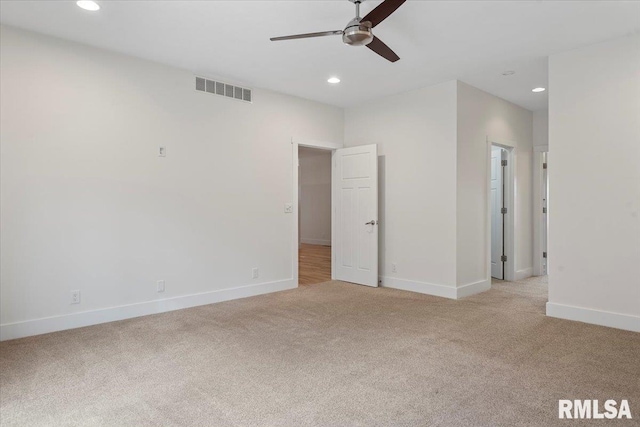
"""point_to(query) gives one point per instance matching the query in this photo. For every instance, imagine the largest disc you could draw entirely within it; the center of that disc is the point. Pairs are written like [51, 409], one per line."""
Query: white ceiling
[473, 41]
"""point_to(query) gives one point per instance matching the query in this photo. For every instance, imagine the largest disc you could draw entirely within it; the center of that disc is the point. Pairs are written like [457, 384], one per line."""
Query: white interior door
[355, 201]
[497, 228]
[545, 210]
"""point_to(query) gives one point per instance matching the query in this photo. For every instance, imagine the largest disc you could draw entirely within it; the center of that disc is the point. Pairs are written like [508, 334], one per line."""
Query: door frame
[538, 217]
[509, 201]
[501, 153]
[321, 145]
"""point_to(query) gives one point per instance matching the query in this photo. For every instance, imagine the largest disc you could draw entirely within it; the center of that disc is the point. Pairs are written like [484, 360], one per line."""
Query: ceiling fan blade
[307, 35]
[382, 49]
[382, 12]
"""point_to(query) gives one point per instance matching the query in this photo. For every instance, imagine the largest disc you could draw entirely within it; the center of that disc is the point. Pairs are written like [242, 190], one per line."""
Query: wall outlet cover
[75, 297]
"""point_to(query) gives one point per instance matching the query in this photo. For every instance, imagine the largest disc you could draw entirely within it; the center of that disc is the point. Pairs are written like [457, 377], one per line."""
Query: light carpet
[334, 354]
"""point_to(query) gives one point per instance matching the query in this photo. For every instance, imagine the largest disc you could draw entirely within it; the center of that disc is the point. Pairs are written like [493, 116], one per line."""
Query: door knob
[372, 222]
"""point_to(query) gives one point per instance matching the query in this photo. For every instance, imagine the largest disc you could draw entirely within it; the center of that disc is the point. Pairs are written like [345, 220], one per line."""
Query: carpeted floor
[334, 354]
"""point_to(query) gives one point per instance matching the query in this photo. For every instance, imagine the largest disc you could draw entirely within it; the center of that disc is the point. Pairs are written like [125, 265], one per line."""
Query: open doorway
[501, 210]
[498, 211]
[541, 212]
[545, 217]
[314, 216]
[354, 213]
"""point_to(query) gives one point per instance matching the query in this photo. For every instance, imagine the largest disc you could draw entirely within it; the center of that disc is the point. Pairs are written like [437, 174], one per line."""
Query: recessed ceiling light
[88, 5]
[334, 80]
[538, 89]
[508, 73]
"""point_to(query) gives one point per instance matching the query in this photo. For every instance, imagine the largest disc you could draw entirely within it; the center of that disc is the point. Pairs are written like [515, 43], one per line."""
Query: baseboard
[420, 287]
[473, 288]
[524, 273]
[87, 318]
[595, 317]
[320, 242]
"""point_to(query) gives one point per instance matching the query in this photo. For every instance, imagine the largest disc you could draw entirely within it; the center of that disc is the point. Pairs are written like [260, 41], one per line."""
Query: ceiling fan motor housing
[357, 33]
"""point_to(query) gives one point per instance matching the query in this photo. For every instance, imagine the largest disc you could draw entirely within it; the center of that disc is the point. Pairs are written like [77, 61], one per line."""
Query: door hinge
[504, 163]
[503, 258]
[544, 254]
[544, 165]
[503, 211]
[544, 210]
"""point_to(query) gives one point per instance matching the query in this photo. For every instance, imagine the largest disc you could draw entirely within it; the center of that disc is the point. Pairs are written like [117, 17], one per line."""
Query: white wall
[594, 138]
[434, 200]
[87, 204]
[483, 116]
[541, 128]
[315, 197]
[416, 137]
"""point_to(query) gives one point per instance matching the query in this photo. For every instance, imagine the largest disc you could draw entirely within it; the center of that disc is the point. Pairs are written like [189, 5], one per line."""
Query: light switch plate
[288, 208]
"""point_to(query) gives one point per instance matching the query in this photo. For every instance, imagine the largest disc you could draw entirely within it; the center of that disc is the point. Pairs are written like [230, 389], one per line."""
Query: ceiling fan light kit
[358, 31]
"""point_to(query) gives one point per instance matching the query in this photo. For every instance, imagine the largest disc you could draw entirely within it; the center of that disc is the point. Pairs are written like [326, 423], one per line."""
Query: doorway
[541, 211]
[501, 210]
[354, 212]
[545, 217]
[498, 211]
[314, 216]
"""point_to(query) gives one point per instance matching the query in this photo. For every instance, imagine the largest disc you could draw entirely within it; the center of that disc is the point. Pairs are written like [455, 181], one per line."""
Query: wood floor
[314, 264]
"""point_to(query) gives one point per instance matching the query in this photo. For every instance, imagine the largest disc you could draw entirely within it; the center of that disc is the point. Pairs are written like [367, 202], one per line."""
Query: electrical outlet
[255, 273]
[162, 151]
[160, 284]
[75, 297]
[394, 268]
[288, 208]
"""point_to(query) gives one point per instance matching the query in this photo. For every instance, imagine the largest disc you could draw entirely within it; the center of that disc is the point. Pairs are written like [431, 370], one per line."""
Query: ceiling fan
[358, 30]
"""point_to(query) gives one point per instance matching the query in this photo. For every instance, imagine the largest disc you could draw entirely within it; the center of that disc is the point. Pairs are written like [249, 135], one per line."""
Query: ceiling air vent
[223, 89]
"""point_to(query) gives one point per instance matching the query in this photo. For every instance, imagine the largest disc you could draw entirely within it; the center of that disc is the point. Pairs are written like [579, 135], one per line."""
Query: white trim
[323, 145]
[87, 318]
[594, 317]
[524, 273]
[538, 216]
[509, 195]
[320, 242]
[473, 288]
[443, 291]
[295, 242]
[537, 212]
[541, 148]
[295, 164]
[334, 229]
[419, 287]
